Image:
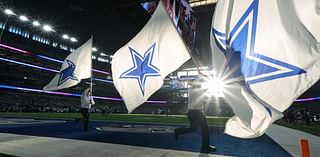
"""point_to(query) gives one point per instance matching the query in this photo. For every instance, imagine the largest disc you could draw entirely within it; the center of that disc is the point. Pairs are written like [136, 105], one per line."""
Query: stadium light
[73, 39]
[23, 18]
[65, 36]
[94, 49]
[103, 54]
[9, 12]
[214, 86]
[35, 23]
[47, 28]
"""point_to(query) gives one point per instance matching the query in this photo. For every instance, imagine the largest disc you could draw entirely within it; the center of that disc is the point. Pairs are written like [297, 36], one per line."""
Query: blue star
[255, 67]
[142, 68]
[67, 73]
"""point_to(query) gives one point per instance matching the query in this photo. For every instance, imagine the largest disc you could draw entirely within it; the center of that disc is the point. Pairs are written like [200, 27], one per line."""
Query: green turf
[313, 128]
[176, 119]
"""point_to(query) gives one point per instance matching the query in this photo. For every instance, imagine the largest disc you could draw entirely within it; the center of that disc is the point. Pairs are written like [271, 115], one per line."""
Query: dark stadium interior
[112, 24]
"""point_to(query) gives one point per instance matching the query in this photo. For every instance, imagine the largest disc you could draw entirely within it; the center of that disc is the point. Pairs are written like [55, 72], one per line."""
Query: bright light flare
[23, 18]
[47, 28]
[94, 49]
[9, 12]
[214, 87]
[36, 23]
[73, 39]
[65, 36]
[103, 54]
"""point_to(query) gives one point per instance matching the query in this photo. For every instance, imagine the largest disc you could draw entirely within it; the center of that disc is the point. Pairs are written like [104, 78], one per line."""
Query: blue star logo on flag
[142, 67]
[255, 67]
[67, 73]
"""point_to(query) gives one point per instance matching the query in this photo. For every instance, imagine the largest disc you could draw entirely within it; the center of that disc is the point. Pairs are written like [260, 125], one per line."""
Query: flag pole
[91, 67]
[91, 82]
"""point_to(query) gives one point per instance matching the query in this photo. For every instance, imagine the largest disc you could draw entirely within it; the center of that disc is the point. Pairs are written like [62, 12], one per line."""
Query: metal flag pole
[91, 83]
[91, 67]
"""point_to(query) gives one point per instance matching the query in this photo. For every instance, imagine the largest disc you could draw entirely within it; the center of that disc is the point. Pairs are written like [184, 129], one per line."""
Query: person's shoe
[175, 134]
[208, 149]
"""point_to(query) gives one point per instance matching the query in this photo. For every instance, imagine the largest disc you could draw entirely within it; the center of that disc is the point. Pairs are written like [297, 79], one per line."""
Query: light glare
[36, 23]
[94, 49]
[214, 87]
[23, 18]
[73, 39]
[9, 12]
[103, 54]
[65, 36]
[47, 28]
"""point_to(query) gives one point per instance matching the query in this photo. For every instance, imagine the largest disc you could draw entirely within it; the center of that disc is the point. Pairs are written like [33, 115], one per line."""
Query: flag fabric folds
[139, 67]
[277, 46]
[75, 67]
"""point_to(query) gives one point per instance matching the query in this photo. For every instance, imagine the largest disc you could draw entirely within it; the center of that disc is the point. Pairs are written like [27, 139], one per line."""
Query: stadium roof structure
[112, 23]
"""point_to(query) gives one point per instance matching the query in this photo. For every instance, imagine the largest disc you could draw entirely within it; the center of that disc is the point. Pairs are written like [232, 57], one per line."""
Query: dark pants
[197, 119]
[86, 115]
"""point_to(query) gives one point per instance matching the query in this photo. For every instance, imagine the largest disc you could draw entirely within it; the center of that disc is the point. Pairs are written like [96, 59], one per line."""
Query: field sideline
[313, 128]
[146, 118]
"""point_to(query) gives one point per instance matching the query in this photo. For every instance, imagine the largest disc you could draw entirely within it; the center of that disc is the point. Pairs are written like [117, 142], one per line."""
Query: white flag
[139, 67]
[75, 67]
[278, 45]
